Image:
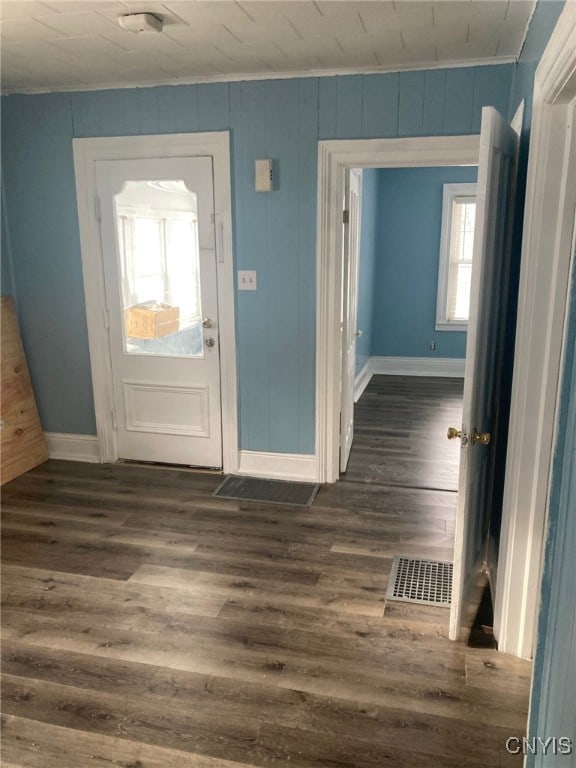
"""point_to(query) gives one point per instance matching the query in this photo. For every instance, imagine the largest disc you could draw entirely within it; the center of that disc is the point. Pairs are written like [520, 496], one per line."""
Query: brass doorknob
[453, 433]
[480, 437]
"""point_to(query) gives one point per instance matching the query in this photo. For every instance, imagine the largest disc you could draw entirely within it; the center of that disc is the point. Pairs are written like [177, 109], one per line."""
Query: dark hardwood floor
[400, 426]
[147, 624]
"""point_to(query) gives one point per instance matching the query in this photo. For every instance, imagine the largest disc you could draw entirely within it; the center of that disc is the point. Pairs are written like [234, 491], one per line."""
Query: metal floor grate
[420, 581]
[270, 491]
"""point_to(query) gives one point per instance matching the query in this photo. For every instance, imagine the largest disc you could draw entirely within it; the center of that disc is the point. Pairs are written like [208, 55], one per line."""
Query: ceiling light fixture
[140, 22]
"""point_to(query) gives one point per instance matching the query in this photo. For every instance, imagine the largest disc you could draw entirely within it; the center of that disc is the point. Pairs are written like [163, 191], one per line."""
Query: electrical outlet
[247, 280]
[433, 346]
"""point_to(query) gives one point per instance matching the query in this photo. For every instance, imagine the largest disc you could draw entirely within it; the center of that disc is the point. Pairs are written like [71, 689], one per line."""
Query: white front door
[159, 265]
[351, 253]
[496, 168]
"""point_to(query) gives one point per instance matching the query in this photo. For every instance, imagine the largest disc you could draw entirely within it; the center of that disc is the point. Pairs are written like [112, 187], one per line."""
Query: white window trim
[450, 191]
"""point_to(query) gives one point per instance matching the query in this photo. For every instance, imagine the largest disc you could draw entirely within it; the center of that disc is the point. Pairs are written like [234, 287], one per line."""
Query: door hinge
[345, 217]
[98, 208]
[106, 318]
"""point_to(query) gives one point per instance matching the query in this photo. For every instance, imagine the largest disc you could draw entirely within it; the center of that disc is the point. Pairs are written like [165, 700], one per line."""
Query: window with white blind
[456, 250]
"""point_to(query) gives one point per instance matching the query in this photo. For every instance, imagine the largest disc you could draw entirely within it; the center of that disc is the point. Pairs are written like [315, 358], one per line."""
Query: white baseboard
[362, 379]
[279, 466]
[72, 447]
[419, 366]
[407, 366]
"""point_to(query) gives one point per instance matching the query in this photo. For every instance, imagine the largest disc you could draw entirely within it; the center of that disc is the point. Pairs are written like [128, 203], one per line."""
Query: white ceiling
[78, 44]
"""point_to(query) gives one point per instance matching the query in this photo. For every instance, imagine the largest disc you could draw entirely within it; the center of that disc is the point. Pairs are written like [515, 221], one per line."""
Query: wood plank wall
[22, 441]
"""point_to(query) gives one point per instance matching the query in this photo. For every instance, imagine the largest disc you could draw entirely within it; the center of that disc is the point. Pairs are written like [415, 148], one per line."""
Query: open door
[351, 253]
[488, 295]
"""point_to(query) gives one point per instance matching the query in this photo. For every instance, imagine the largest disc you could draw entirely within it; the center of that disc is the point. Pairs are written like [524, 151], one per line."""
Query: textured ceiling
[67, 44]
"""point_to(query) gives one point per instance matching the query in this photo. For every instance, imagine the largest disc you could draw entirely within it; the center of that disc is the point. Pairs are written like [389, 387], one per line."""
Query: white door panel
[496, 168]
[351, 252]
[157, 229]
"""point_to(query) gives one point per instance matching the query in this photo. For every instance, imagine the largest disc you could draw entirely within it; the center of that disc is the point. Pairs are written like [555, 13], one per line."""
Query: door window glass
[158, 250]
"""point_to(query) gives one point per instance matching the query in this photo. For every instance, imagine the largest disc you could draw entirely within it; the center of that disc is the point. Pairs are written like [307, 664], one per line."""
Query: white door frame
[86, 153]
[333, 158]
[543, 298]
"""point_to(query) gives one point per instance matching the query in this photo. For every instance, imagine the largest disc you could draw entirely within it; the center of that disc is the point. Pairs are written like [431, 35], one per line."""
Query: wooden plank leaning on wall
[22, 439]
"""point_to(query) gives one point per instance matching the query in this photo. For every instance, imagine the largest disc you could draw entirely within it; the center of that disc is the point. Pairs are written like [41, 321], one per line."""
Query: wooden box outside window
[151, 320]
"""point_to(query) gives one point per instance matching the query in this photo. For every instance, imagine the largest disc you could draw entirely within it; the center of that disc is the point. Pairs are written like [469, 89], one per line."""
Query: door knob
[207, 323]
[480, 437]
[475, 437]
[358, 333]
[209, 341]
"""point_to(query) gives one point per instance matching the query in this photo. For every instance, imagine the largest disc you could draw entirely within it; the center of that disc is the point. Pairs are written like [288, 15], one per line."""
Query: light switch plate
[247, 280]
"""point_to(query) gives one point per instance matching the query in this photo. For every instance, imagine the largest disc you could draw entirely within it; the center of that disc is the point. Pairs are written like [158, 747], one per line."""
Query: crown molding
[257, 76]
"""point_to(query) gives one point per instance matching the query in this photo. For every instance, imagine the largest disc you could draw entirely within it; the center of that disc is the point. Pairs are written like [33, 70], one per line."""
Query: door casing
[86, 153]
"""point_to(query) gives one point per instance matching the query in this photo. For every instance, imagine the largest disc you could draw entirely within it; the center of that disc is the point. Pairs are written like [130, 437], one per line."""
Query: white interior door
[159, 264]
[350, 332]
[496, 168]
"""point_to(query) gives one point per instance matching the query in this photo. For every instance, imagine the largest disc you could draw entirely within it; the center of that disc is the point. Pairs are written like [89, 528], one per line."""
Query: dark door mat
[269, 491]
[420, 581]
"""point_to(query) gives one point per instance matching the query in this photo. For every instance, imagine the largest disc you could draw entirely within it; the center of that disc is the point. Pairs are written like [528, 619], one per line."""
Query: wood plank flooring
[400, 426]
[147, 624]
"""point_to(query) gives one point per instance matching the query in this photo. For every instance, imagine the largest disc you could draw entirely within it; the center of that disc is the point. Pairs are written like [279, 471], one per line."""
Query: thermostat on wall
[263, 180]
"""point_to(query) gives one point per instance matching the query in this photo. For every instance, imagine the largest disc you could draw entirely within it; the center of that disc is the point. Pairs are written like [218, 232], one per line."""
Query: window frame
[449, 193]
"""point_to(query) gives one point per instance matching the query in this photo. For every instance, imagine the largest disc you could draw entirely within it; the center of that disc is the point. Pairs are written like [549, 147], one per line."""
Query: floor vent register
[421, 581]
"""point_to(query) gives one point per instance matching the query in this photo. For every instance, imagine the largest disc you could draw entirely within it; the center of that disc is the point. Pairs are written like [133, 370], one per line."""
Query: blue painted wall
[541, 26]
[406, 274]
[367, 269]
[274, 233]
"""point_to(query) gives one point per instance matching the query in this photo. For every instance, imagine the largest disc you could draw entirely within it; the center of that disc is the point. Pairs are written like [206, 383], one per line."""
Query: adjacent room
[412, 312]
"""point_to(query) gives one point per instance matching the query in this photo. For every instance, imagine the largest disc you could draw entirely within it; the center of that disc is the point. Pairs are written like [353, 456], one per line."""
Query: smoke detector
[140, 22]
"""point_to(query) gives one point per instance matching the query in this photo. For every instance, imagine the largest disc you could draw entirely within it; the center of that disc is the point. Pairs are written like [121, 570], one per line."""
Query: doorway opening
[405, 311]
[495, 152]
[407, 351]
